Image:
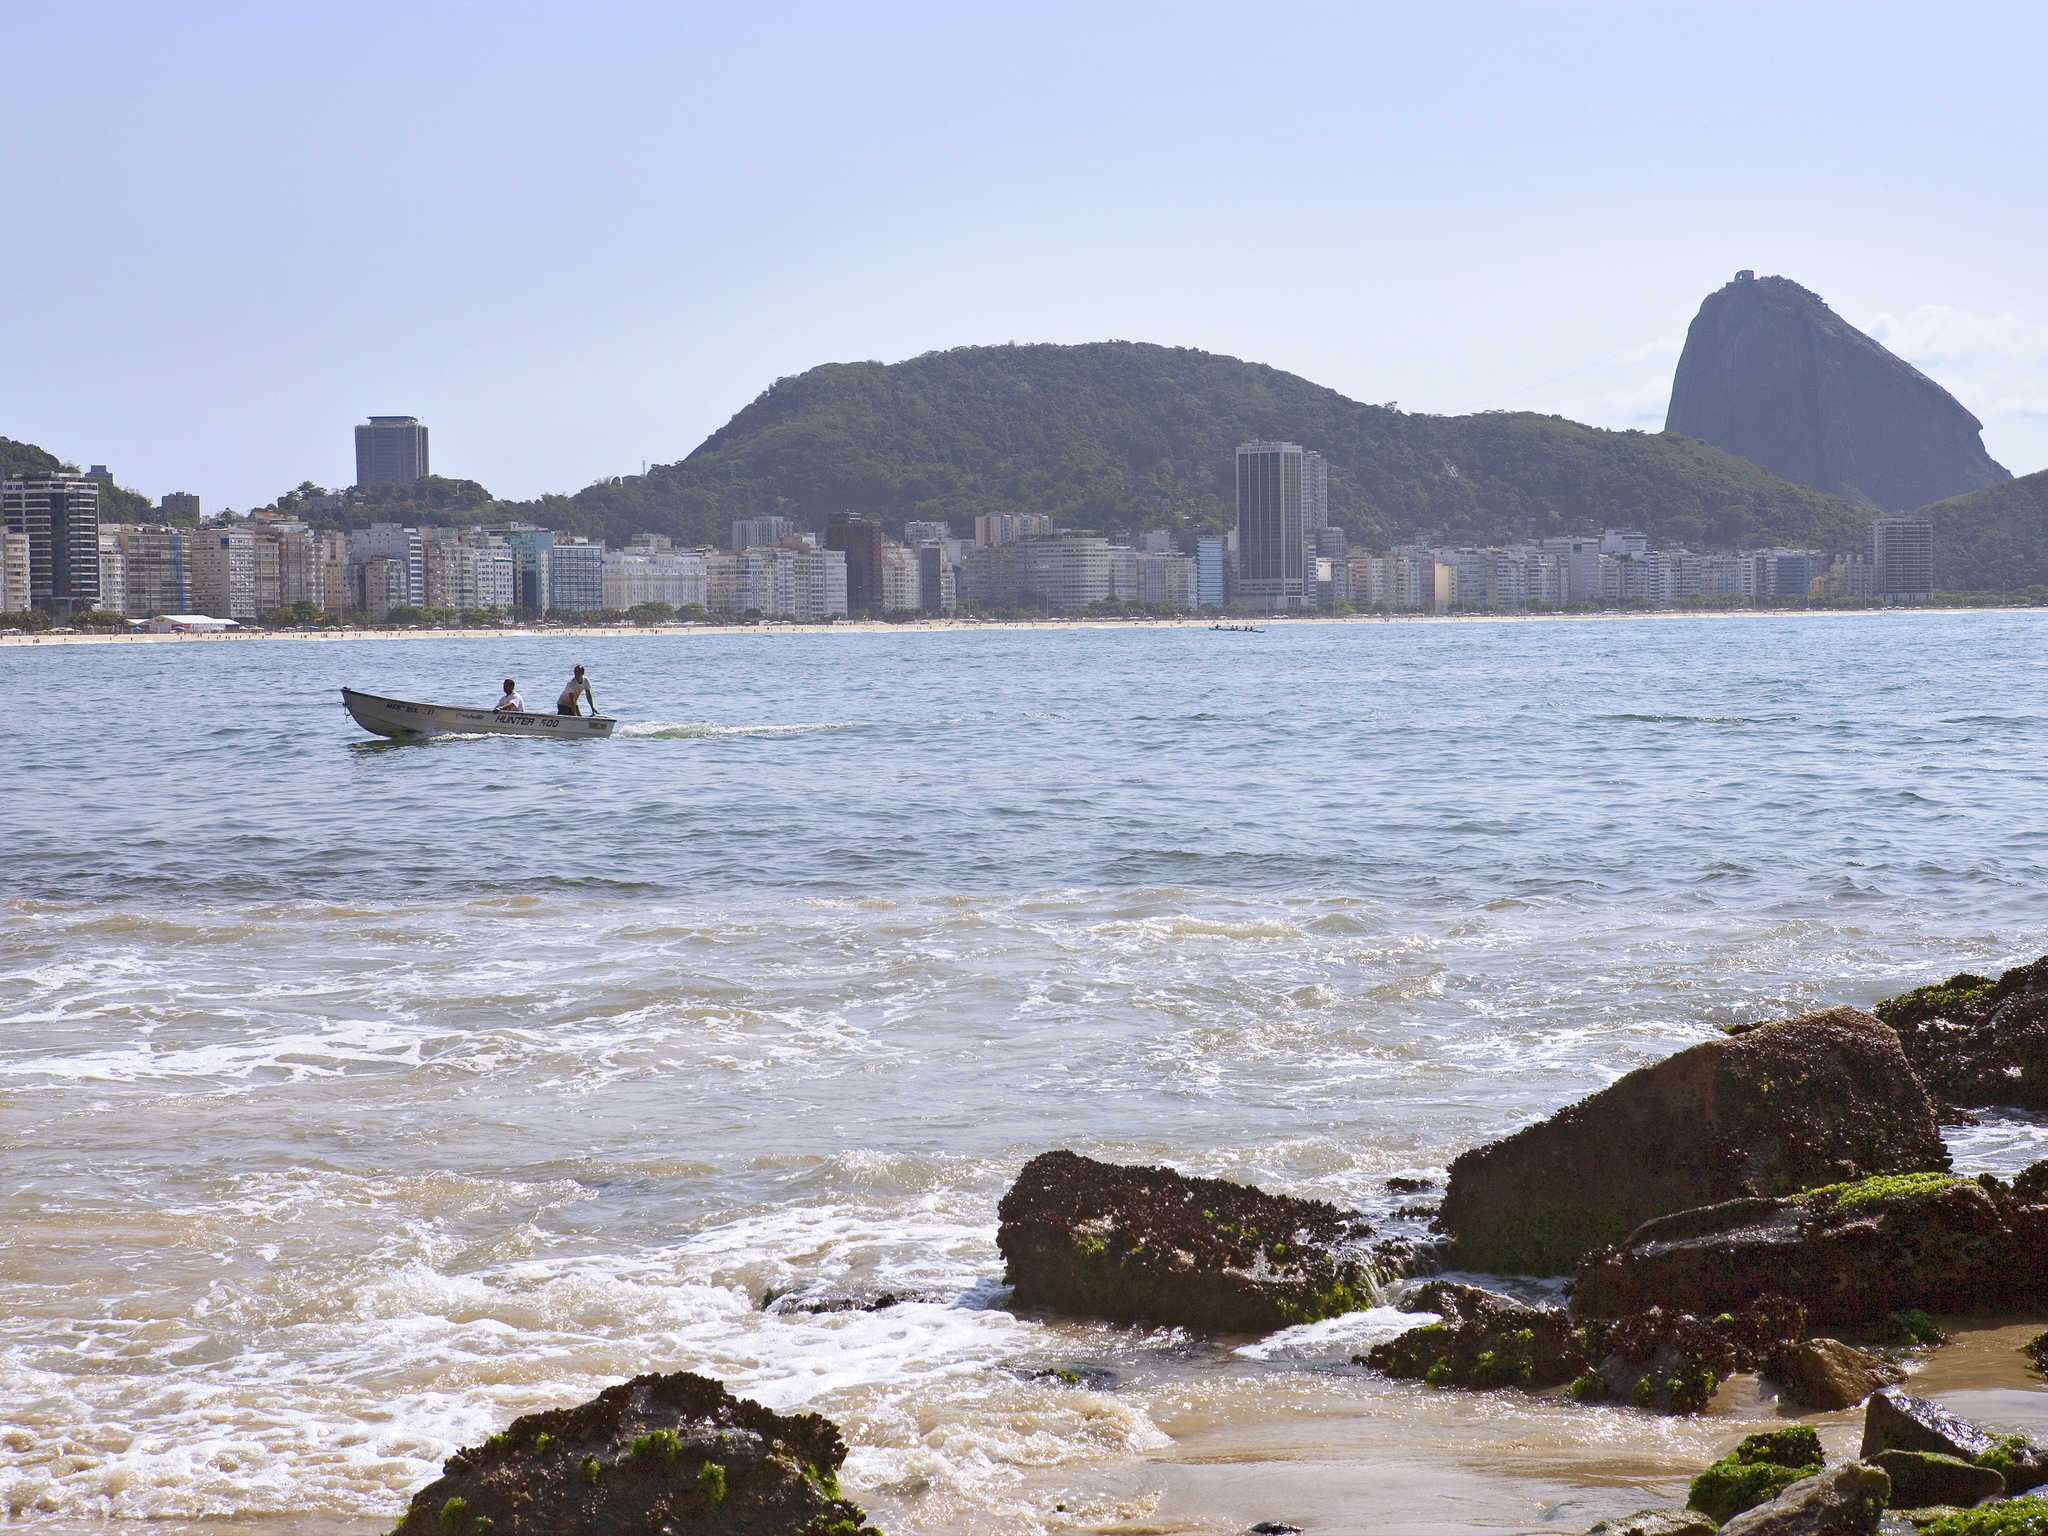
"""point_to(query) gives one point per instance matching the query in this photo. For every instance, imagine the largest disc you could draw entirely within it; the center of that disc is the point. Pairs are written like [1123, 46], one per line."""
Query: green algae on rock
[675, 1453]
[1759, 1468]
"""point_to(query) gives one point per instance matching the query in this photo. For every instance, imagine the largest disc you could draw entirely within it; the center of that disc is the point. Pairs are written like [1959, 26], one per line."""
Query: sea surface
[356, 1097]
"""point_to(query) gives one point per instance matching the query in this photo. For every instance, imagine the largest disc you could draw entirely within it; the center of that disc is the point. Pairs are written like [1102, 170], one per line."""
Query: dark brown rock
[1823, 1375]
[1810, 1100]
[1849, 1255]
[1978, 1041]
[1150, 1244]
[1771, 373]
[675, 1453]
[1485, 1340]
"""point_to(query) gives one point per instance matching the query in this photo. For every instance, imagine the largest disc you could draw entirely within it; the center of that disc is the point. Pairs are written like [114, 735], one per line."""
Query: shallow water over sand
[354, 1097]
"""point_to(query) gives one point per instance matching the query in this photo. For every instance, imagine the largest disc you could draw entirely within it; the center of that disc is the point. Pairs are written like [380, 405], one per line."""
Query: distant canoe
[402, 720]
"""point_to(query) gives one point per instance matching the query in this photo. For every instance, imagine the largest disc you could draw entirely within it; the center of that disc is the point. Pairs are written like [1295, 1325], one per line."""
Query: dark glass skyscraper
[861, 540]
[61, 516]
[391, 450]
[1283, 499]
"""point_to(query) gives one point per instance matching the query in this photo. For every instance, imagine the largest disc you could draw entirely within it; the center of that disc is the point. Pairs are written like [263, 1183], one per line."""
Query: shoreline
[969, 626]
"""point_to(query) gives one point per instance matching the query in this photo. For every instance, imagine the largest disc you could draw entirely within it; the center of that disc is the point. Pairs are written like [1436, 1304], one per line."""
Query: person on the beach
[579, 688]
[511, 704]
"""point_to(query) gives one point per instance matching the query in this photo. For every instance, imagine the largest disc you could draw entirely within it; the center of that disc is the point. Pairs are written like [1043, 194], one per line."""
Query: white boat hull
[402, 720]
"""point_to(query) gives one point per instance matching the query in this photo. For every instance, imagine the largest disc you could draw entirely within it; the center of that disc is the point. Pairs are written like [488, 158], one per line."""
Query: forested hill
[26, 459]
[1994, 539]
[1116, 434]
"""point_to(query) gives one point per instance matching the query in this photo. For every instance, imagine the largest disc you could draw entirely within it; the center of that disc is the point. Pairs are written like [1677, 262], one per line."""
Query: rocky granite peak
[1769, 372]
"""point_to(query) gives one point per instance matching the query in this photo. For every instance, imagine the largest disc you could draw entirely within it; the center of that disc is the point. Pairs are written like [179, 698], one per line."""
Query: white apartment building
[635, 576]
[152, 567]
[902, 579]
[14, 589]
[1067, 572]
[113, 575]
[819, 585]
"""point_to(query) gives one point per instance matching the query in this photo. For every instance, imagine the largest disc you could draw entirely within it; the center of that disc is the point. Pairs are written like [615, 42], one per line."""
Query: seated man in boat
[579, 688]
[511, 704]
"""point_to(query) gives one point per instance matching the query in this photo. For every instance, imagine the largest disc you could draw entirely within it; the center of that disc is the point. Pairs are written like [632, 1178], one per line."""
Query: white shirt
[513, 702]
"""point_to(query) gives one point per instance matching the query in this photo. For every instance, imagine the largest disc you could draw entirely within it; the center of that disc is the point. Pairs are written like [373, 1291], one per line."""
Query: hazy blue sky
[571, 238]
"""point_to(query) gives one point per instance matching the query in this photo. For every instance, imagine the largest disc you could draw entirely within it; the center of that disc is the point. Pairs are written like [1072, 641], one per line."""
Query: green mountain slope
[1993, 539]
[1115, 434]
[116, 503]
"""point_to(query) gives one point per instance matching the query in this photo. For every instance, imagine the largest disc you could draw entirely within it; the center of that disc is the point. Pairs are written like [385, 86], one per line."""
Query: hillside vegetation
[1114, 434]
[1992, 539]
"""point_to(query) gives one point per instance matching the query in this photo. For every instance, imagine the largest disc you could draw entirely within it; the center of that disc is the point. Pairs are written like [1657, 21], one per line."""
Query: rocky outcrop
[1849, 1501]
[1484, 1341]
[1811, 1100]
[675, 1453]
[1978, 1041]
[1759, 1469]
[1922, 1478]
[1664, 1361]
[1895, 1421]
[1849, 1254]
[1150, 1244]
[1771, 373]
[1824, 1375]
[1658, 1522]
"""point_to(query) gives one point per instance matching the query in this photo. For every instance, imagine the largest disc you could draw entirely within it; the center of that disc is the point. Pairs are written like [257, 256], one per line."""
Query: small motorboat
[403, 720]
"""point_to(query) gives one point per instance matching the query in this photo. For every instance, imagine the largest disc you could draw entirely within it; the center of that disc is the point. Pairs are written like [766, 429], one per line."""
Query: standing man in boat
[511, 704]
[579, 688]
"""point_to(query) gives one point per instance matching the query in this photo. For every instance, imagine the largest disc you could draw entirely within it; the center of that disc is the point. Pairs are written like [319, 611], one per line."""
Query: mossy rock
[2008, 1517]
[1756, 1471]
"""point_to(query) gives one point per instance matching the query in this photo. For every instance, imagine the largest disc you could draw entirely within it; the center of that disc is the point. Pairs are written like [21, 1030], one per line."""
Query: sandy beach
[955, 626]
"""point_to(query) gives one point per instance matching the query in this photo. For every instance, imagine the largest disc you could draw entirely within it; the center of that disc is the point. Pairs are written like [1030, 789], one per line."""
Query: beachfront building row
[1618, 567]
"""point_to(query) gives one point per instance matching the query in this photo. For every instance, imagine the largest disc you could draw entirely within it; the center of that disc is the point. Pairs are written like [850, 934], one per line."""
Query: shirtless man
[511, 704]
[579, 688]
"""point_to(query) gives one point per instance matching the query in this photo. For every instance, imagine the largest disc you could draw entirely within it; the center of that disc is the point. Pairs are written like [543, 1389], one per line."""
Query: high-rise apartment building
[391, 450]
[393, 541]
[1902, 553]
[113, 574]
[646, 574]
[1067, 572]
[761, 532]
[1209, 572]
[14, 581]
[1283, 499]
[181, 506]
[61, 516]
[220, 572]
[928, 532]
[860, 540]
[1011, 527]
[530, 546]
[152, 568]
[820, 585]
[575, 575]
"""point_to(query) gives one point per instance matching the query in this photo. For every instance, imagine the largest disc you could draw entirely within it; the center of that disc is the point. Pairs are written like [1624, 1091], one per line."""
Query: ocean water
[355, 1097]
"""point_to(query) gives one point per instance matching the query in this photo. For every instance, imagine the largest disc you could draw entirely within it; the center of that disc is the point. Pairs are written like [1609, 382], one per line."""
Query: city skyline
[1526, 221]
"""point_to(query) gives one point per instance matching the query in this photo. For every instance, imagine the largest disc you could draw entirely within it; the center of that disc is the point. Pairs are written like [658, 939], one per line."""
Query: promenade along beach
[356, 1098]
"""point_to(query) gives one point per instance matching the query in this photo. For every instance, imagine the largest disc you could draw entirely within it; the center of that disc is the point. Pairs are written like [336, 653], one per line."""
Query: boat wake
[689, 730]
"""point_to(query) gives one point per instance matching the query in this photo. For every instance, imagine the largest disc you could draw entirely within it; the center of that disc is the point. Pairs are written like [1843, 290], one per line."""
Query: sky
[576, 238]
